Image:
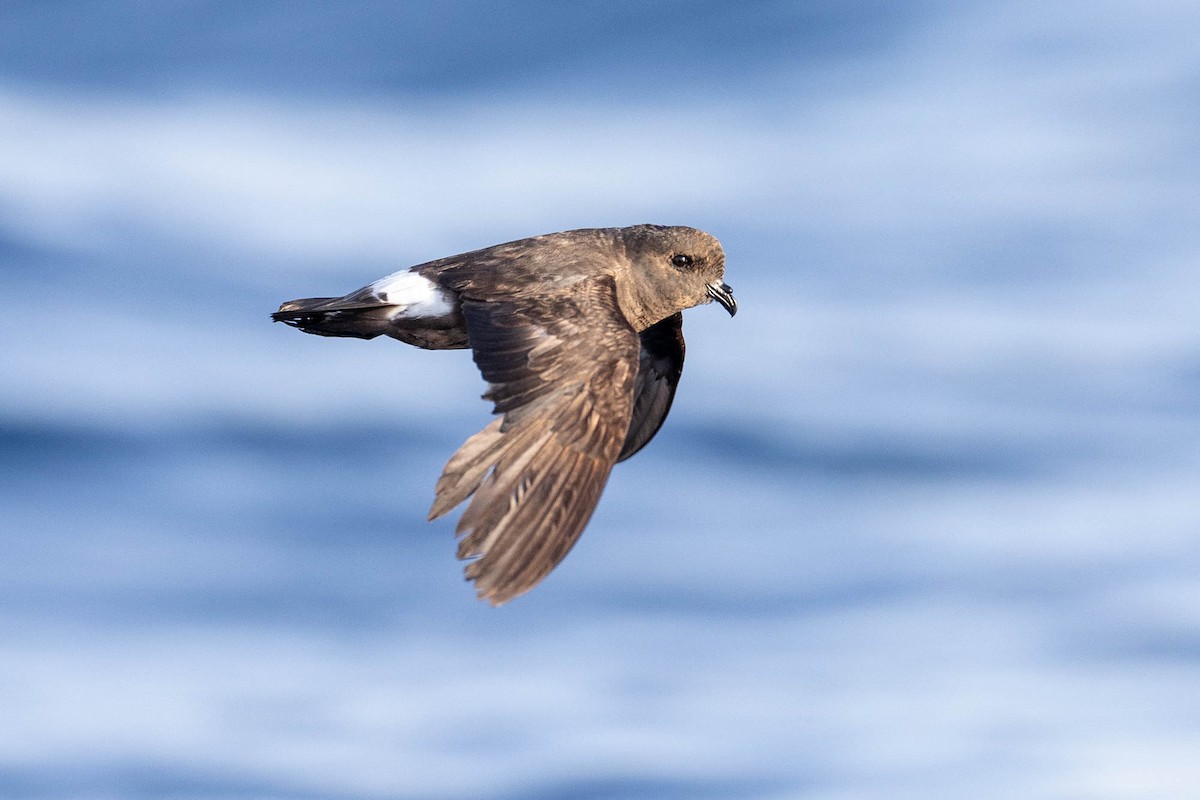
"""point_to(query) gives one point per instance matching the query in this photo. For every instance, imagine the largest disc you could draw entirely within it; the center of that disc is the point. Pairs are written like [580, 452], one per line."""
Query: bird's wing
[659, 367]
[561, 369]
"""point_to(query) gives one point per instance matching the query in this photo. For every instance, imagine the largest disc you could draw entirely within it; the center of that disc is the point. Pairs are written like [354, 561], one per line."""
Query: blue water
[924, 520]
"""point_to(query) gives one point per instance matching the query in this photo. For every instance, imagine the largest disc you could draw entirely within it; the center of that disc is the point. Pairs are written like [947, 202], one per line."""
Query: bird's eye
[681, 260]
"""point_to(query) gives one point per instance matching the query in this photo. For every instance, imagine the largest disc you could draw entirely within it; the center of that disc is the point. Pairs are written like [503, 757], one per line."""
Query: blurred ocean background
[925, 519]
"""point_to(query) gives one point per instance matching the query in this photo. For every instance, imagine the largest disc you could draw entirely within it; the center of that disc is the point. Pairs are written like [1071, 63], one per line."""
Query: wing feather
[561, 370]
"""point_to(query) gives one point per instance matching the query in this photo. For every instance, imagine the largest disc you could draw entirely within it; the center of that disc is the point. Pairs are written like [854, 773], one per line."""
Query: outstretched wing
[659, 367]
[561, 369]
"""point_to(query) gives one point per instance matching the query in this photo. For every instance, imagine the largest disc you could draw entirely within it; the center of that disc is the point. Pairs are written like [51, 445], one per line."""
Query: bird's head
[673, 268]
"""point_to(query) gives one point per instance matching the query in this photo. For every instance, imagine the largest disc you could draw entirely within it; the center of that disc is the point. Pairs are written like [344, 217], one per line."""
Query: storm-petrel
[579, 336]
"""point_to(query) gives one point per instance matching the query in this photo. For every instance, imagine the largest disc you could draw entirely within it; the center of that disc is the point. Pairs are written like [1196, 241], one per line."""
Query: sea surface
[923, 522]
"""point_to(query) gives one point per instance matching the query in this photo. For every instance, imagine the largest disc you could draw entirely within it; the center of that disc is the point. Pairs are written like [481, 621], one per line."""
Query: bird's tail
[333, 316]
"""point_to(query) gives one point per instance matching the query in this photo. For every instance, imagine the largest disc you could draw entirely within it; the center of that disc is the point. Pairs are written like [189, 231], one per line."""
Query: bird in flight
[579, 335]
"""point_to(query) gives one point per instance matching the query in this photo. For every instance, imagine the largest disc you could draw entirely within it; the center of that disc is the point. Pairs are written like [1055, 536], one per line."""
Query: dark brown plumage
[579, 336]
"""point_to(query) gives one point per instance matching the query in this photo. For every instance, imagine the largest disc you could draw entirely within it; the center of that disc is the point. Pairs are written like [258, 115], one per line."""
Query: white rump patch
[415, 294]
